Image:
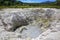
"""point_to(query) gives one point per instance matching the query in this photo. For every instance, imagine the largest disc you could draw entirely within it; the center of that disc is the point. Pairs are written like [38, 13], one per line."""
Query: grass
[42, 6]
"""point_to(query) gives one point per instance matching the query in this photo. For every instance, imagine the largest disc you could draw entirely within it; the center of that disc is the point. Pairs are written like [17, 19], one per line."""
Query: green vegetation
[58, 2]
[19, 4]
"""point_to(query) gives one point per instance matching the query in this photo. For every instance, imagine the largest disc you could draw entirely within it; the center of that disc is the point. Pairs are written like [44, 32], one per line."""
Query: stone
[30, 24]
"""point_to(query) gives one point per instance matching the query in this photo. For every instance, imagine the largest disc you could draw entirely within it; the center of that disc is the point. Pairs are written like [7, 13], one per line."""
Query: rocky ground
[30, 24]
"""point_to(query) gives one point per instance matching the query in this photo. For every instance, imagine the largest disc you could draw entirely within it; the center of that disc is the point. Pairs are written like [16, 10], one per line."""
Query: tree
[9, 2]
[58, 2]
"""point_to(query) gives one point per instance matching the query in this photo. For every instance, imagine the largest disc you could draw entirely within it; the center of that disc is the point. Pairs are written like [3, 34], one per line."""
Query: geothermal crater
[29, 23]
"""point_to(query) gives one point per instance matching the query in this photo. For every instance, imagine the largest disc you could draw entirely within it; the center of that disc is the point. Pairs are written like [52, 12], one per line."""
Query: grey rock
[30, 24]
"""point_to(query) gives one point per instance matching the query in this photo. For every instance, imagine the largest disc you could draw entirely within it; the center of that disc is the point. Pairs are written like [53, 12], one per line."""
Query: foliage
[9, 2]
[19, 4]
[58, 2]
